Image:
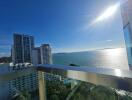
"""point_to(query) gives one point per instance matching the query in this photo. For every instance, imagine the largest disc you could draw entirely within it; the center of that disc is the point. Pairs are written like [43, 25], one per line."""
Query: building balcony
[58, 82]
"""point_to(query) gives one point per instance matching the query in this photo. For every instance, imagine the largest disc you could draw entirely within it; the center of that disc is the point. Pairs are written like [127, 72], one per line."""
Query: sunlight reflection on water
[108, 58]
[116, 57]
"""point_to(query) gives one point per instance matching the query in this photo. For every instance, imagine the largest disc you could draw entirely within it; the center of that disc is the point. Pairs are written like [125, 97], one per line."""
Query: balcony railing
[49, 76]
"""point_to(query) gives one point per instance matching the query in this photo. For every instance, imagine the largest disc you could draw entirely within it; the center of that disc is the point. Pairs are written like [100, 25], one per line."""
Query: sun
[110, 11]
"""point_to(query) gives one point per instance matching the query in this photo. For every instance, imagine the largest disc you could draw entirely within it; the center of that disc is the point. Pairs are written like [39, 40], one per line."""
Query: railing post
[42, 86]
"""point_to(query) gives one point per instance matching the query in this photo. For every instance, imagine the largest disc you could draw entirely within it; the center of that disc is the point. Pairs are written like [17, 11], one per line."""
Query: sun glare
[118, 72]
[107, 13]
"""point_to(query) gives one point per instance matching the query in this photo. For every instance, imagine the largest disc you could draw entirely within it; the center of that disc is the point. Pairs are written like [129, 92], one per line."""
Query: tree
[54, 97]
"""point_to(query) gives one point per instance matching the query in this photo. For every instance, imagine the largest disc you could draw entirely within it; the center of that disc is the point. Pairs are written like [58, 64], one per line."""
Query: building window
[128, 41]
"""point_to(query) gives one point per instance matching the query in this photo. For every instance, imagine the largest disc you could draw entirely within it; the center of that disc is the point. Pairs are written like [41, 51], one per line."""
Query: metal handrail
[116, 78]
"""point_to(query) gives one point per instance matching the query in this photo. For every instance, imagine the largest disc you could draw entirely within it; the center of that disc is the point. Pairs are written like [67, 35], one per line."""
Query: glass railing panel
[62, 88]
[19, 85]
[57, 88]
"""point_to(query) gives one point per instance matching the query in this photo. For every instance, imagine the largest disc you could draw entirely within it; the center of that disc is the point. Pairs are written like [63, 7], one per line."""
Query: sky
[64, 24]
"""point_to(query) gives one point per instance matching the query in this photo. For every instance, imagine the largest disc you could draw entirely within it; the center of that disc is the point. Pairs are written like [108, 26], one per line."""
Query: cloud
[109, 40]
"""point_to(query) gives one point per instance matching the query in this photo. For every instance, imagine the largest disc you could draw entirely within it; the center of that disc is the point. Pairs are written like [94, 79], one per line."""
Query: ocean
[108, 58]
[4, 68]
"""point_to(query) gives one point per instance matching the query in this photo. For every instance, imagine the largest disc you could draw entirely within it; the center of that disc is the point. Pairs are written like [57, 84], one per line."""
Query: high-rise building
[46, 56]
[22, 53]
[22, 48]
[36, 56]
[42, 55]
[126, 11]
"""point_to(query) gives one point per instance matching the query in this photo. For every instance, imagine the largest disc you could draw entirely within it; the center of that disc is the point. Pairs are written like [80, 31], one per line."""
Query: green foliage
[87, 91]
[125, 97]
[56, 90]
[24, 95]
[78, 96]
[54, 97]
[5, 59]
[20, 97]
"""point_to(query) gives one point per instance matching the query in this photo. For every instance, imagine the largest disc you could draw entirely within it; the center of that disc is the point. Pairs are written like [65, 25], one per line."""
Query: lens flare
[107, 13]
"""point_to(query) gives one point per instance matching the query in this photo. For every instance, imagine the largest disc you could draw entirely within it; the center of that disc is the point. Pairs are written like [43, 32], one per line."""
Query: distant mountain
[5, 59]
[60, 53]
[86, 51]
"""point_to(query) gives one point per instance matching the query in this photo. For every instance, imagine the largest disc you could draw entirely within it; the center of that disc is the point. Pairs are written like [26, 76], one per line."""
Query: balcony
[58, 82]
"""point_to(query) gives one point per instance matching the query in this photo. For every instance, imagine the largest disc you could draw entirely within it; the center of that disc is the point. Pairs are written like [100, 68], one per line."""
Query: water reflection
[117, 58]
[108, 58]
[118, 72]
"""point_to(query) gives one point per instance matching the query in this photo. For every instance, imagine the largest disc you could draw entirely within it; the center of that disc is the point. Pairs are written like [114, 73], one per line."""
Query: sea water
[108, 58]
